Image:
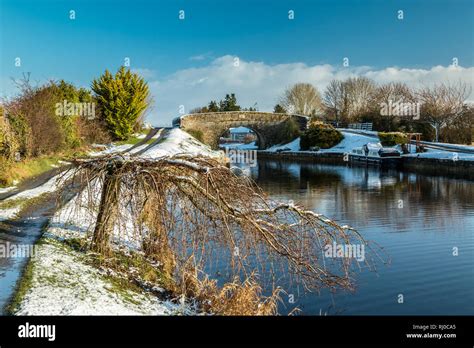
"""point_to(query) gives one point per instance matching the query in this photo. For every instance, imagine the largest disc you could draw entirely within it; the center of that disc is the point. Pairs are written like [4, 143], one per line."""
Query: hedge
[321, 135]
[392, 138]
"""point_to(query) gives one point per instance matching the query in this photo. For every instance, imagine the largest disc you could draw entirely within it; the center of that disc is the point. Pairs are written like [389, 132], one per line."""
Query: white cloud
[145, 73]
[203, 56]
[262, 83]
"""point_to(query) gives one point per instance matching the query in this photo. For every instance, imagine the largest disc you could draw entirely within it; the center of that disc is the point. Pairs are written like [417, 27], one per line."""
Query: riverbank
[62, 278]
[461, 169]
[432, 162]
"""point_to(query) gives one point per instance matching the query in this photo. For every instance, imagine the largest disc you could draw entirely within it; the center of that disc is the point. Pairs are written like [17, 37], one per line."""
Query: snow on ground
[49, 186]
[452, 146]
[180, 142]
[141, 147]
[64, 284]
[292, 146]
[9, 213]
[110, 149]
[360, 131]
[7, 189]
[352, 141]
[349, 142]
[443, 155]
[22, 197]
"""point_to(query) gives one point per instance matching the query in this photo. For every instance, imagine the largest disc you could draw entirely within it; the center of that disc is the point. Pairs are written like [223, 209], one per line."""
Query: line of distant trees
[442, 113]
[229, 103]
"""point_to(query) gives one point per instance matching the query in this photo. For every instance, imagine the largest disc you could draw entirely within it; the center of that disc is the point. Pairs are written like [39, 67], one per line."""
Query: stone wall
[268, 126]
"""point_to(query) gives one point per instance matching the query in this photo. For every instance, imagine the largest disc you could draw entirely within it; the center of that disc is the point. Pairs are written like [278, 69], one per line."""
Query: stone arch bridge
[270, 128]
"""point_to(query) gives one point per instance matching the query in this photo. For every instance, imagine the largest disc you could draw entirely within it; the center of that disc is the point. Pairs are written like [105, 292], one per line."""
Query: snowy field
[179, 142]
[349, 142]
[352, 141]
[64, 284]
[62, 281]
[7, 189]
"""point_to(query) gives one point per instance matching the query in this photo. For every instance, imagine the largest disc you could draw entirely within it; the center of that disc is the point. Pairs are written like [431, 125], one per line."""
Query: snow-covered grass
[291, 146]
[7, 189]
[352, 141]
[453, 146]
[63, 282]
[110, 149]
[180, 142]
[51, 185]
[360, 131]
[349, 142]
[9, 213]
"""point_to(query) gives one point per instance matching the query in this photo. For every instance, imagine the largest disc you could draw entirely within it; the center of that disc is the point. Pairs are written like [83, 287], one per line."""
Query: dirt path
[162, 133]
[32, 183]
[44, 177]
[150, 135]
[24, 230]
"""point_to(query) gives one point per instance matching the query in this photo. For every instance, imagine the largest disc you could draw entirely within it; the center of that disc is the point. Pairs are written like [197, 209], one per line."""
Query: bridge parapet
[269, 127]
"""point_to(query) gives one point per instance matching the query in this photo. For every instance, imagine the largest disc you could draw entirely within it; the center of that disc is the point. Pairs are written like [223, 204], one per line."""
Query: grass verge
[32, 167]
[22, 288]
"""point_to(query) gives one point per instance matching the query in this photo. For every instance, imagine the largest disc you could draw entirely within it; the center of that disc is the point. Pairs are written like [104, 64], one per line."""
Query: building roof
[240, 129]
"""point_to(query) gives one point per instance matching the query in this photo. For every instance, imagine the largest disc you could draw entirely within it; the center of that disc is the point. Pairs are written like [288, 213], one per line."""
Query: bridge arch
[269, 127]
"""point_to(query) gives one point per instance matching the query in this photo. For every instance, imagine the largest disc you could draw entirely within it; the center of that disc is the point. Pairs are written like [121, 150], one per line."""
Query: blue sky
[185, 61]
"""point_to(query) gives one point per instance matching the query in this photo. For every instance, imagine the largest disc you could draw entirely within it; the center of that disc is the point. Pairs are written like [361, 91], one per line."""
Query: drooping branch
[182, 206]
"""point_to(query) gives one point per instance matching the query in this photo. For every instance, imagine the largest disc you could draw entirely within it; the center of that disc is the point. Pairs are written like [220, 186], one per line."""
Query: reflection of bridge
[269, 127]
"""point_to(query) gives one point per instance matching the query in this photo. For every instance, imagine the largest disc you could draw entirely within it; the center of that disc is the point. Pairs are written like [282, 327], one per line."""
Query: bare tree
[302, 99]
[359, 91]
[333, 99]
[392, 92]
[442, 104]
[346, 100]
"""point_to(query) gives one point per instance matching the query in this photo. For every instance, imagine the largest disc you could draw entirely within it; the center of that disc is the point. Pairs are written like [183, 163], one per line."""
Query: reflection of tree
[368, 196]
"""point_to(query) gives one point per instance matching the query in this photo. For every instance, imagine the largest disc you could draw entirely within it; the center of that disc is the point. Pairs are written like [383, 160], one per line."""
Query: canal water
[422, 222]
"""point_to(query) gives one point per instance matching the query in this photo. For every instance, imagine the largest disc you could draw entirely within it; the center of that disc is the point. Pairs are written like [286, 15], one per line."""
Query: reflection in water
[418, 220]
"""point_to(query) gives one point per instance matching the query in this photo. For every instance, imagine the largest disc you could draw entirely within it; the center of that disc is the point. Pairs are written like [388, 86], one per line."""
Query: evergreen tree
[278, 109]
[122, 99]
[229, 103]
[213, 107]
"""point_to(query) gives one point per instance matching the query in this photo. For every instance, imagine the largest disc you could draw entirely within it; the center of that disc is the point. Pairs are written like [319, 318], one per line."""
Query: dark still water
[418, 220]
